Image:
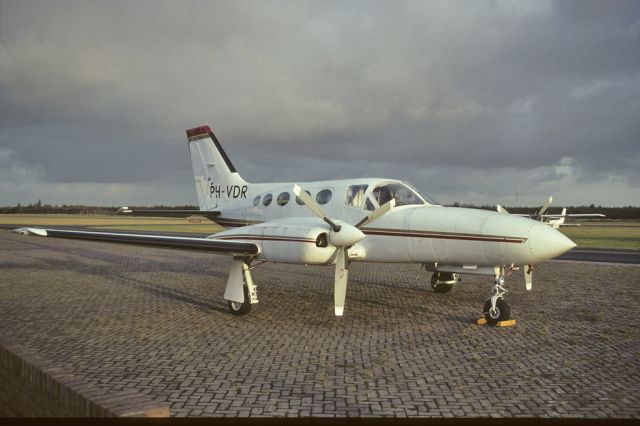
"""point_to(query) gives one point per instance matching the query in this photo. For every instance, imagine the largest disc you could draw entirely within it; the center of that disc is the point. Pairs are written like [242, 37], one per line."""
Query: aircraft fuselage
[422, 232]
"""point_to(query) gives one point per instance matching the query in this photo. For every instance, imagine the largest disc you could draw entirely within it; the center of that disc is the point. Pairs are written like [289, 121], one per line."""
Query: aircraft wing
[209, 214]
[230, 247]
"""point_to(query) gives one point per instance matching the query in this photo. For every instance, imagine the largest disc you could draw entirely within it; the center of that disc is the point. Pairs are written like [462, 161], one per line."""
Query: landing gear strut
[495, 308]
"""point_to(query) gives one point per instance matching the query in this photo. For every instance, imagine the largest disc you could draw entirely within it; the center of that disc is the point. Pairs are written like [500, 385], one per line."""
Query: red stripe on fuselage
[443, 236]
[234, 223]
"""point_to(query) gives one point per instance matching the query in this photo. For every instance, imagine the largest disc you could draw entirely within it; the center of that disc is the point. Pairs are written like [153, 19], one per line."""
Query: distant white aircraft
[337, 222]
[554, 220]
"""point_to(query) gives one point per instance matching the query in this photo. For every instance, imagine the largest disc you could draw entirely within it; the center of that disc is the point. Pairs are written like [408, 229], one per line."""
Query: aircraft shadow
[120, 279]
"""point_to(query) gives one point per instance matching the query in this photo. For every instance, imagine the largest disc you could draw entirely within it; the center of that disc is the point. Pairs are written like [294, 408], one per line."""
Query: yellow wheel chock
[507, 323]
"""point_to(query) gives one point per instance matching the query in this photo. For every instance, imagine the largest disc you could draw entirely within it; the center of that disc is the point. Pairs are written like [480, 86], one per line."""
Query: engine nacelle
[296, 240]
[296, 244]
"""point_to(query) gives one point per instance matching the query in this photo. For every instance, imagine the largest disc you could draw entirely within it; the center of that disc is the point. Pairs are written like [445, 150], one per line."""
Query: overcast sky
[472, 101]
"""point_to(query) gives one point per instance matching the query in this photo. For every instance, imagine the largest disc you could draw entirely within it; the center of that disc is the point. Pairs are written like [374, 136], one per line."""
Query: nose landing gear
[495, 308]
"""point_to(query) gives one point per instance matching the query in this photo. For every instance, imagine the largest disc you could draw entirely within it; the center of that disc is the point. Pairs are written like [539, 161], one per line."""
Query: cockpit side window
[401, 193]
[369, 205]
[355, 195]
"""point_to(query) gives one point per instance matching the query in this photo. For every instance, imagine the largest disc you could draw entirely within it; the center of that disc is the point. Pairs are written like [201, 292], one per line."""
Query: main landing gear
[495, 308]
[240, 292]
[238, 308]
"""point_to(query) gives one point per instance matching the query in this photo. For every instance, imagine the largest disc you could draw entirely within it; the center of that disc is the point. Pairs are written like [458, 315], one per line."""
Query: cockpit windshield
[404, 194]
[401, 193]
[429, 199]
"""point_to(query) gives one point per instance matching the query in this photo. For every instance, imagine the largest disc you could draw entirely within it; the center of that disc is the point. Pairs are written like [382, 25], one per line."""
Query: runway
[154, 321]
[602, 255]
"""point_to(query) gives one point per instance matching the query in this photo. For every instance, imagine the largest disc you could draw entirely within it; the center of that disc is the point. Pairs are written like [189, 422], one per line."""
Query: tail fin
[562, 218]
[217, 181]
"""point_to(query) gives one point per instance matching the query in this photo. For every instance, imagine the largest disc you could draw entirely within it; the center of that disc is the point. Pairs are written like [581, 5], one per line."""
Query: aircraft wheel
[502, 312]
[240, 309]
[442, 288]
[439, 286]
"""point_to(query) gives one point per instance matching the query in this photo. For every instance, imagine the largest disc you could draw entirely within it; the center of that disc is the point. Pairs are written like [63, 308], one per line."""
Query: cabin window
[324, 196]
[267, 199]
[256, 201]
[355, 195]
[299, 201]
[401, 193]
[283, 199]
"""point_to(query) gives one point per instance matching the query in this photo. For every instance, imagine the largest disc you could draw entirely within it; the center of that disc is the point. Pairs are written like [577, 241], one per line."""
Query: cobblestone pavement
[153, 320]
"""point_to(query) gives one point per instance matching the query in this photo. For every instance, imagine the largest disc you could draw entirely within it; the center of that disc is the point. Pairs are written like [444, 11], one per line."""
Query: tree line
[628, 212]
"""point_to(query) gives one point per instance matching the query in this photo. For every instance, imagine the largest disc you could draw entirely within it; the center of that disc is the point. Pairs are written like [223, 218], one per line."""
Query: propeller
[376, 213]
[538, 216]
[314, 207]
[342, 235]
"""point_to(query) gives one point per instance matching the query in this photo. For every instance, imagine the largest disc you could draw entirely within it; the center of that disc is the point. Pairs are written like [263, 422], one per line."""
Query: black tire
[239, 309]
[442, 288]
[503, 312]
[439, 287]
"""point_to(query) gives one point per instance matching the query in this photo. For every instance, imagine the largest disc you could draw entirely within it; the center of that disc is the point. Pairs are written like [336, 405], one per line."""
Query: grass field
[611, 235]
[592, 234]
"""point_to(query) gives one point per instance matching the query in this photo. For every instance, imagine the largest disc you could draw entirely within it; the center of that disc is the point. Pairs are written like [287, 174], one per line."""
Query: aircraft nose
[546, 243]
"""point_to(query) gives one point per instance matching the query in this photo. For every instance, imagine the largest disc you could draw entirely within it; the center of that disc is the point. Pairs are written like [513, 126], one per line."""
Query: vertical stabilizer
[217, 181]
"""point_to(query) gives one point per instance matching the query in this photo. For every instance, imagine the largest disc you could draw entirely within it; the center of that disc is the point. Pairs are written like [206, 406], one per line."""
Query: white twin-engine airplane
[337, 222]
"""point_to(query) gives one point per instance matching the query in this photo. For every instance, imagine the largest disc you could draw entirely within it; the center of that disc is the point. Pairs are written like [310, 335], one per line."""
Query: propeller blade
[528, 276]
[376, 213]
[341, 277]
[314, 207]
[501, 209]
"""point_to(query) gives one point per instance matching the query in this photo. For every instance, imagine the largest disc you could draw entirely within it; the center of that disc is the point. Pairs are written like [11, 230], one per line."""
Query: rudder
[216, 179]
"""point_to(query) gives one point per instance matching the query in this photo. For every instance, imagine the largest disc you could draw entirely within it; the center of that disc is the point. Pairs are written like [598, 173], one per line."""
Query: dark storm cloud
[475, 98]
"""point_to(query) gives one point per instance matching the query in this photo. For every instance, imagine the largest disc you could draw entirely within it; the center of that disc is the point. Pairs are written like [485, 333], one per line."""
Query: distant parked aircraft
[554, 220]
